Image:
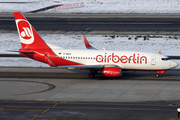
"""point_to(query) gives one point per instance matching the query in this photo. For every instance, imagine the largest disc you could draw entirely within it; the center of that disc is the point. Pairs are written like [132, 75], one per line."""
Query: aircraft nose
[174, 64]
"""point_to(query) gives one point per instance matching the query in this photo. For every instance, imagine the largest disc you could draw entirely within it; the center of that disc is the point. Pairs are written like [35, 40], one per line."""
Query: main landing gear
[92, 74]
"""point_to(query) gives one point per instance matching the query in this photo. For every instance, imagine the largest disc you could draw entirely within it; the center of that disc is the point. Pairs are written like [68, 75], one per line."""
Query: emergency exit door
[153, 60]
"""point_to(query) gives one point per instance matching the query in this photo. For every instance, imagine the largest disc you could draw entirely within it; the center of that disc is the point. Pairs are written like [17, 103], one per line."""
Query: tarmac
[54, 84]
[61, 94]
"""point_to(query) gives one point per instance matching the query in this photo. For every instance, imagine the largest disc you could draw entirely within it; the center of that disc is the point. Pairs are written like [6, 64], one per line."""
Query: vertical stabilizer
[28, 36]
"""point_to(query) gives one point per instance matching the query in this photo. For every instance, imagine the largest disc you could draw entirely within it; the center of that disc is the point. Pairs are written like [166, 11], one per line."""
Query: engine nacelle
[111, 72]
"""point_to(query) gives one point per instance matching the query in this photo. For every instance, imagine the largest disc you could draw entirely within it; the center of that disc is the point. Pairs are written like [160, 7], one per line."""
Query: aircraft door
[153, 60]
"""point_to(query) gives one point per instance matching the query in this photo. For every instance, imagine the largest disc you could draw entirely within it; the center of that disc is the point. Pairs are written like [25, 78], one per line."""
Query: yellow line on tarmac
[55, 104]
[45, 111]
[174, 104]
[34, 118]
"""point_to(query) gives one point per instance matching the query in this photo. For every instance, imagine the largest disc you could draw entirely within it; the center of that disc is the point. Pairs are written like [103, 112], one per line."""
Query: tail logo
[25, 31]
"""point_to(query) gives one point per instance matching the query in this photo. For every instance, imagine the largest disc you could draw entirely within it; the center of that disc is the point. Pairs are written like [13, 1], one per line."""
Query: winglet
[88, 46]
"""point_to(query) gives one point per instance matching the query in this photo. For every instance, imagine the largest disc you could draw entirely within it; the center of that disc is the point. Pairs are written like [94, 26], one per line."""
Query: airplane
[110, 63]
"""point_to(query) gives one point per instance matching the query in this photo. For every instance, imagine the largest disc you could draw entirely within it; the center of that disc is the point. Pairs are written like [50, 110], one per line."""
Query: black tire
[157, 75]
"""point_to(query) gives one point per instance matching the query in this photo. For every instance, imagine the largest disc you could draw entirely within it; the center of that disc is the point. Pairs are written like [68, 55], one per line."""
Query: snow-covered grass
[168, 45]
[96, 6]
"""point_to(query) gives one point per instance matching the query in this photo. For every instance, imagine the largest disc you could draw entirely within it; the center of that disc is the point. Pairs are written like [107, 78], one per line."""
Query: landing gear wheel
[91, 75]
[157, 75]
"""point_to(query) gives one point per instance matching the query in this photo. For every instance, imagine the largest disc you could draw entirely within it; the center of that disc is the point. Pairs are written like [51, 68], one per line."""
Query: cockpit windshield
[165, 59]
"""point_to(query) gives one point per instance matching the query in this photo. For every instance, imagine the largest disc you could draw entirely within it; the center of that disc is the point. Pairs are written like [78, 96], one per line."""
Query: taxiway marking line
[174, 104]
[45, 111]
[34, 118]
[56, 103]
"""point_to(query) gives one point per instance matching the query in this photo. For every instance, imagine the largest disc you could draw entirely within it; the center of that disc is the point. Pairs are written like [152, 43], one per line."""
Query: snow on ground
[168, 45]
[96, 6]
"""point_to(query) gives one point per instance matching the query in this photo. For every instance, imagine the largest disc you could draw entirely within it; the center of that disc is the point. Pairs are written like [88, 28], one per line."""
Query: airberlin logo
[25, 31]
[135, 58]
[26, 34]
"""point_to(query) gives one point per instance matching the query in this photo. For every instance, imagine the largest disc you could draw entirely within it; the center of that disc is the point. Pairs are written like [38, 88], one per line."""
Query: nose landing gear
[157, 75]
[159, 72]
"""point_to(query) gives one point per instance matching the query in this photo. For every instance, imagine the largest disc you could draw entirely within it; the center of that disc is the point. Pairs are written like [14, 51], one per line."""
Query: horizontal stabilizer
[20, 51]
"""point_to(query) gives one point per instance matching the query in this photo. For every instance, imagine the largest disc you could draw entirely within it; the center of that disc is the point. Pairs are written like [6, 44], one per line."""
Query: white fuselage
[130, 60]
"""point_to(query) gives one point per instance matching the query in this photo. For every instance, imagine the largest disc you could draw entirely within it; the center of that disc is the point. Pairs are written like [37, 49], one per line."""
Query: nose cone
[174, 64]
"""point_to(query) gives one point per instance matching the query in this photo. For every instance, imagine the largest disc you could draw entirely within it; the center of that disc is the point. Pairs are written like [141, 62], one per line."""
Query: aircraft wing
[88, 46]
[88, 66]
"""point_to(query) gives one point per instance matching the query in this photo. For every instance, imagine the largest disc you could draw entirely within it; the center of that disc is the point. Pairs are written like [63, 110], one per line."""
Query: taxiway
[148, 24]
[54, 84]
[55, 94]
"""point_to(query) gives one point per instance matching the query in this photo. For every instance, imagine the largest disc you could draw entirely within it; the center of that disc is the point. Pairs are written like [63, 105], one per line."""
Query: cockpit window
[165, 59]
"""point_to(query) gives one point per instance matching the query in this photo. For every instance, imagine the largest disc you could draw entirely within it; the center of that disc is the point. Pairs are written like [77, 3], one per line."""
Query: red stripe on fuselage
[39, 55]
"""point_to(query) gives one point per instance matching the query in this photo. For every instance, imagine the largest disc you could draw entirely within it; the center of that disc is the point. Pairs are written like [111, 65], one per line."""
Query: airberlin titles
[135, 58]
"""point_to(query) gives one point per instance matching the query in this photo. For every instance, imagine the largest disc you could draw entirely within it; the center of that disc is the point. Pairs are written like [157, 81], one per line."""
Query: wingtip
[88, 46]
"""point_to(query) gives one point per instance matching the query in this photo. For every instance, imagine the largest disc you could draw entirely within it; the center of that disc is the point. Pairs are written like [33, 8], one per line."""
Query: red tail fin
[28, 36]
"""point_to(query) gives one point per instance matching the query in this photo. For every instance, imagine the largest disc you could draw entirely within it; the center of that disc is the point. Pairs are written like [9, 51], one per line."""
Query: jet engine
[111, 72]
